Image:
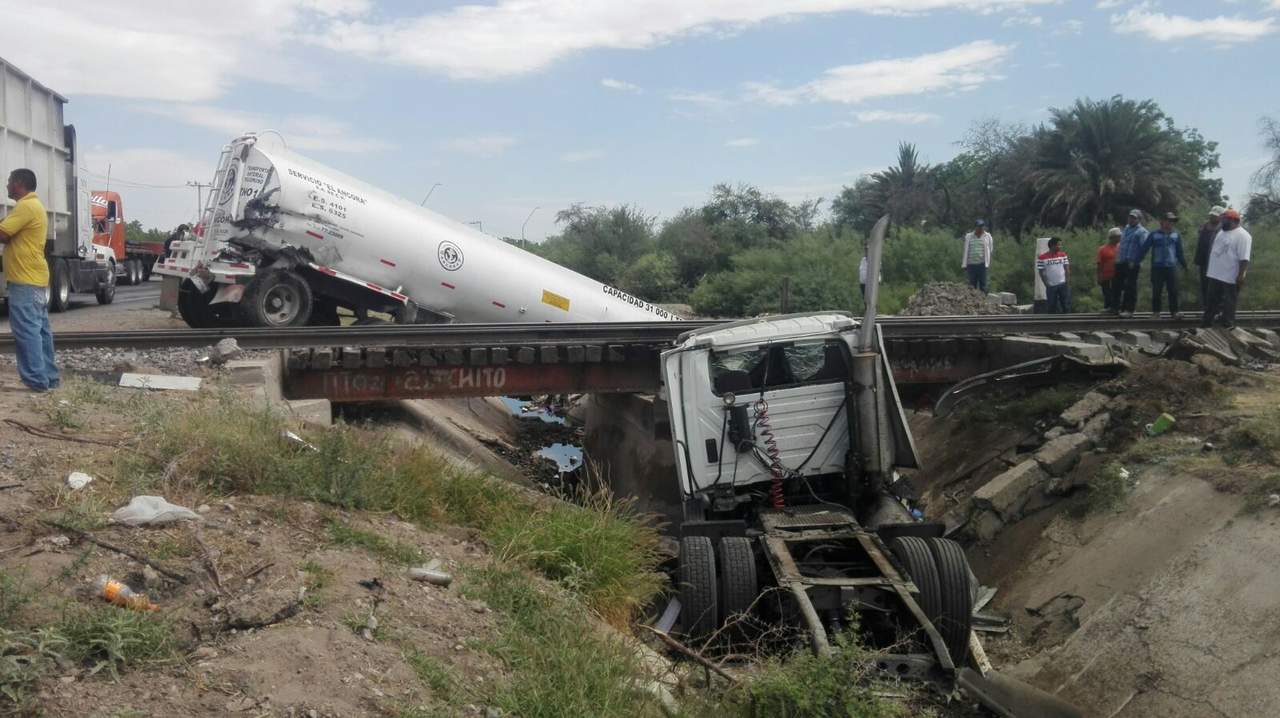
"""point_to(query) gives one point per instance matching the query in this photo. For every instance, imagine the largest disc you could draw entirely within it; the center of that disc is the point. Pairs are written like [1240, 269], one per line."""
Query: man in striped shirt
[1055, 272]
[977, 256]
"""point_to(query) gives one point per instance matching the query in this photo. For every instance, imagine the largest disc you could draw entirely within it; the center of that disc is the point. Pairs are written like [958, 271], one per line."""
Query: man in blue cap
[1129, 262]
[1165, 245]
[976, 259]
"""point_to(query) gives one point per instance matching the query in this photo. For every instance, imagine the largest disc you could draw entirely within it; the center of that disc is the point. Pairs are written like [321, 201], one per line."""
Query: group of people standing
[1222, 256]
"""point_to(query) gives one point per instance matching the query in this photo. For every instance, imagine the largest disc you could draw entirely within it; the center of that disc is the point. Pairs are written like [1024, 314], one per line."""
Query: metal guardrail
[628, 333]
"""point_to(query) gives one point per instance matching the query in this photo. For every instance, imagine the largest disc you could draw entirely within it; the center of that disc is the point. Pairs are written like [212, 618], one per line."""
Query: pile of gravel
[176, 361]
[947, 298]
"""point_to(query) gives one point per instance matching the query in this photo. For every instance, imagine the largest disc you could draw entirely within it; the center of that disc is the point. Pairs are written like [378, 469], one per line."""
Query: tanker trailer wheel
[914, 555]
[193, 306]
[279, 298]
[696, 578]
[955, 588]
[738, 584]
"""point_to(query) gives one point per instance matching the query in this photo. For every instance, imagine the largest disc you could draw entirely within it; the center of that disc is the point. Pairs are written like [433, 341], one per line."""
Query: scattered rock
[1058, 456]
[78, 480]
[204, 653]
[1096, 428]
[58, 541]
[1078, 413]
[1054, 433]
[1006, 493]
[986, 525]
[949, 298]
[224, 351]
[1273, 500]
[431, 576]
[151, 578]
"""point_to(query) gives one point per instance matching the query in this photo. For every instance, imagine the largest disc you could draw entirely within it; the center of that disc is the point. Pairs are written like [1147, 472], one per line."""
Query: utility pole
[477, 224]
[199, 196]
[526, 221]
[423, 203]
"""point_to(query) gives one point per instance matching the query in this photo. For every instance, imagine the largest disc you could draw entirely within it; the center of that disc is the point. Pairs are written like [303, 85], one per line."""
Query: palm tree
[906, 191]
[1098, 159]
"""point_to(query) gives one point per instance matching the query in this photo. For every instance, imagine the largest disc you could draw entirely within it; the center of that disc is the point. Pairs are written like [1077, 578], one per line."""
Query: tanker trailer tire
[738, 584]
[193, 306]
[278, 298]
[955, 589]
[914, 556]
[59, 286]
[696, 579]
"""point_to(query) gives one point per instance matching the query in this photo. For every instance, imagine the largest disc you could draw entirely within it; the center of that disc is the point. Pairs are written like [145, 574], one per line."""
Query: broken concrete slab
[1006, 493]
[986, 524]
[1019, 349]
[1096, 427]
[311, 411]
[1088, 405]
[1271, 337]
[160, 381]
[1054, 433]
[1060, 455]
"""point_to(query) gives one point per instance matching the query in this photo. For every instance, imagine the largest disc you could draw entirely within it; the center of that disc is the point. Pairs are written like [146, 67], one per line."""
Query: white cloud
[481, 145]
[582, 156]
[1070, 27]
[301, 132]
[1141, 20]
[708, 100]
[961, 68]
[613, 84]
[159, 49]
[902, 118]
[513, 37]
[1273, 5]
[1023, 20]
[742, 142]
[167, 202]
[1109, 4]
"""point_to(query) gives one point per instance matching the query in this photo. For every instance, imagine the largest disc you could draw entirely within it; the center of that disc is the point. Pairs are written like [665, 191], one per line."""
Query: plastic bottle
[121, 595]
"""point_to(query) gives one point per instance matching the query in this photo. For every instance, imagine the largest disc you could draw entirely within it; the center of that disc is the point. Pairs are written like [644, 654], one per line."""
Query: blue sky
[517, 104]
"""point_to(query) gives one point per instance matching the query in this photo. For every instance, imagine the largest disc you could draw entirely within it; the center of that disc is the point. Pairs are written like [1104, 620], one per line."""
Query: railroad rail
[463, 336]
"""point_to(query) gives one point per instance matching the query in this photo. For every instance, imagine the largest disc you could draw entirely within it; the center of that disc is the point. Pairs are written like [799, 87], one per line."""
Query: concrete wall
[629, 436]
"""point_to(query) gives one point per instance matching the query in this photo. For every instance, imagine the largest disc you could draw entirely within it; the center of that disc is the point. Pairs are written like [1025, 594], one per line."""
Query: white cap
[1217, 210]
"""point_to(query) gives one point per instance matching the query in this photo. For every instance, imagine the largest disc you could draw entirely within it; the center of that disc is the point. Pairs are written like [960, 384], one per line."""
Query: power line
[130, 183]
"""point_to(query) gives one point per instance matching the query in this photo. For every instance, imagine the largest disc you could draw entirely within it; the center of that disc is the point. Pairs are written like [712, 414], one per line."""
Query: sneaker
[1125, 315]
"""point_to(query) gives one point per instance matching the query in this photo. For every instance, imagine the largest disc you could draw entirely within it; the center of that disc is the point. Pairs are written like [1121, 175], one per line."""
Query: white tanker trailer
[286, 241]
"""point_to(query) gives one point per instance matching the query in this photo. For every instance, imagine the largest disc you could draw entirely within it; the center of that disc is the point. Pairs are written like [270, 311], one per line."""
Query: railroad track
[619, 333]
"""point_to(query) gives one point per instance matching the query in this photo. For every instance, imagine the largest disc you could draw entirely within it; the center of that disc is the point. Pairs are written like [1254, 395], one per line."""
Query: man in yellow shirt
[23, 232]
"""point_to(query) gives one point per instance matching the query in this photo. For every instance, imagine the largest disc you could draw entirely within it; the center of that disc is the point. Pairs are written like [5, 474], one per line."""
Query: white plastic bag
[152, 511]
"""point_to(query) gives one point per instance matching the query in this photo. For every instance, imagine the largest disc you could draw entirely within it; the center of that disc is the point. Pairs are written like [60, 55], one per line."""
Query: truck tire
[193, 306]
[135, 272]
[147, 264]
[106, 293]
[59, 286]
[277, 298]
[699, 609]
[956, 591]
[915, 557]
[738, 583]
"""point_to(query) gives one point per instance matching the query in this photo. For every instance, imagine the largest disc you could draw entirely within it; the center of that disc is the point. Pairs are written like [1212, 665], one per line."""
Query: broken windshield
[773, 366]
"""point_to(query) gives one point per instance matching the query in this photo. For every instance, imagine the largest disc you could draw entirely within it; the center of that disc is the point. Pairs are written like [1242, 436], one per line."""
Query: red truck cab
[133, 259]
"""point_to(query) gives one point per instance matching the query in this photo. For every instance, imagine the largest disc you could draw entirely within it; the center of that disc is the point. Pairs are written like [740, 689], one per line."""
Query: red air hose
[764, 430]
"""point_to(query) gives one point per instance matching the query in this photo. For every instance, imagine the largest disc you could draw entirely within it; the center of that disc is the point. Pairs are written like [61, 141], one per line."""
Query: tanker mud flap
[1011, 698]
[228, 293]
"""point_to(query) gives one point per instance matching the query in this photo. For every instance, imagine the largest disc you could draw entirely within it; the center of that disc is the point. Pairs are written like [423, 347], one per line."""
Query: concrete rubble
[1060, 455]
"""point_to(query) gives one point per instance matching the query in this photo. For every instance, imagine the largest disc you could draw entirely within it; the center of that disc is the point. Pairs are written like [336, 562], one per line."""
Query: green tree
[653, 276]
[1097, 159]
[1264, 201]
[600, 242]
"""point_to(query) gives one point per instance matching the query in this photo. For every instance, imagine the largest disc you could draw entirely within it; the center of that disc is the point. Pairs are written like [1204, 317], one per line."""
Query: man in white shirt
[976, 259]
[1228, 266]
[862, 275]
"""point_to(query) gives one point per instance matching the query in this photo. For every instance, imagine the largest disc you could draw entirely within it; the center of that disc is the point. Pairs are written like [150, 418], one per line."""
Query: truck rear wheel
[955, 589]
[914, 556]
[699, 609]
[59, 286]
[738, 584]
[279, 298]
[135, 271]
[193, 306]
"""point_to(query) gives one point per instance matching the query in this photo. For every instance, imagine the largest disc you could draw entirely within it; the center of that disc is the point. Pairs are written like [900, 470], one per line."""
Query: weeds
[111, 638]
[1256, 438]
[601, 550]
[15, 594]
[341, 534]
[1028, 407]
[1259, 495]
[433, 673]
[25, 658]
[558, 667]
[1109, 488]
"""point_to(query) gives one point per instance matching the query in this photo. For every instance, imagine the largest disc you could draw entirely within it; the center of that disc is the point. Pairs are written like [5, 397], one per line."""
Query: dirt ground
[1167, 605]
[273, 558]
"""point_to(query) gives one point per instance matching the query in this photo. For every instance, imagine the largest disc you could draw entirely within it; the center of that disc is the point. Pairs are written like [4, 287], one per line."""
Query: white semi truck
[32, 136]
[286, 241]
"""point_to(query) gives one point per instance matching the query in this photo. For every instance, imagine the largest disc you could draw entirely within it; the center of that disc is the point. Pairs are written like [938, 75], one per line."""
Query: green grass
[558, 665]
[802, 685]
[15, 595]
[1256, 438]
[25, 658]
[1035, 404]
[1109, 489]
[111, 638]
[318, 578]
[433, 673]
[341, 534]
[602, 549]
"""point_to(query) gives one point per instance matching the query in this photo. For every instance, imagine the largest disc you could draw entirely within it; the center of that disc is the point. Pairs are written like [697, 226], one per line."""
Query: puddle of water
[529, 409]
[567, 457]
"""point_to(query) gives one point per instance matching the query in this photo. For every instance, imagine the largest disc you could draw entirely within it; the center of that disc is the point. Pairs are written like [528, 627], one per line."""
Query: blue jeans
[1162, 277]
[32, 339]
[977, 276]
[1059, 298]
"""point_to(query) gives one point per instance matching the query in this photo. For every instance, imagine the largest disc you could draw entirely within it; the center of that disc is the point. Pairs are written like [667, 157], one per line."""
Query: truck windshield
[771, 367]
